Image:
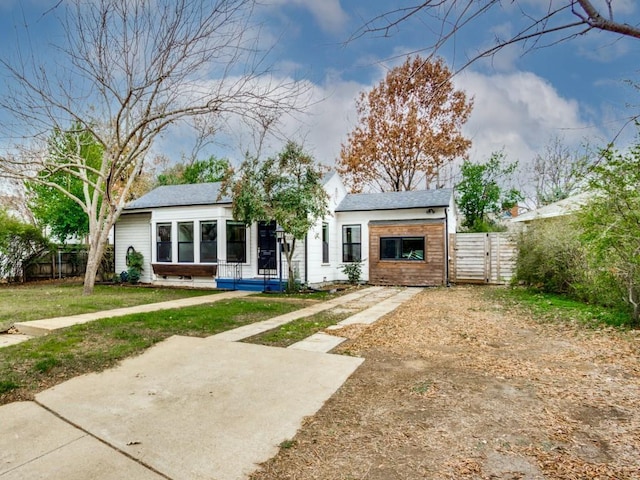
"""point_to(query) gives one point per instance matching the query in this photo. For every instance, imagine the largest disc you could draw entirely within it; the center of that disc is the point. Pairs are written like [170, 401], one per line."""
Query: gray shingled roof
[180, 196]
[396, 200]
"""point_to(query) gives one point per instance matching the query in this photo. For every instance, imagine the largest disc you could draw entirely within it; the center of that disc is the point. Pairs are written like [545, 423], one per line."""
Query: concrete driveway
[188, 408]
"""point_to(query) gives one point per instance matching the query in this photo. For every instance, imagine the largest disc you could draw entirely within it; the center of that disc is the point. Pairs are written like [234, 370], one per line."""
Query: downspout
[306, 260]
[446, 246]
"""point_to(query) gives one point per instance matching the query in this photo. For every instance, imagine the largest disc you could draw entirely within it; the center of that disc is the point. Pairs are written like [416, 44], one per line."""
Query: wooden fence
[63, 263]
[482, 257]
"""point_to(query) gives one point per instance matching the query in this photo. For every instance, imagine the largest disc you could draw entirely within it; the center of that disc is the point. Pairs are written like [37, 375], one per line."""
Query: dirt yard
[456, 387]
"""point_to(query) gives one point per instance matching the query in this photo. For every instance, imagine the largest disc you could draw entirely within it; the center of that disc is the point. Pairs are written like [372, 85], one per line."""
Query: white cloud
[518, 112]
[330, 118]
[328, 13]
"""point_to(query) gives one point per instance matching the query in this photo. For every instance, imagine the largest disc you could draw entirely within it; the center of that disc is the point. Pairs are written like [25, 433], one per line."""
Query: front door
[267, 248]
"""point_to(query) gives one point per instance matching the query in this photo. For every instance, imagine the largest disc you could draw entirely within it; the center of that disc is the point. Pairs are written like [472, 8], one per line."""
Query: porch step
[251, 284]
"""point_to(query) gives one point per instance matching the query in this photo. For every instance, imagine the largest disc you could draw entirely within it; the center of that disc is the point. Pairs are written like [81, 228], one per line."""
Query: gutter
[446, 246]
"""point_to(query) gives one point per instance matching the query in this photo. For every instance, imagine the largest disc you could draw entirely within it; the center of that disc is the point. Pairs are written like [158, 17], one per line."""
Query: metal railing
[272, 272]
[231, 270]
[268, 272]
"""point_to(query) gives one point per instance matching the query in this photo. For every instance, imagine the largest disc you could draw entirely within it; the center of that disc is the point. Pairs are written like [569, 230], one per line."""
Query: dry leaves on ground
[454, 386]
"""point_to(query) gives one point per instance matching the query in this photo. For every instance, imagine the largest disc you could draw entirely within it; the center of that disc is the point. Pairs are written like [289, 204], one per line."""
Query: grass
[32, 366]
[293, 332]
[47, 300]
[556, 308]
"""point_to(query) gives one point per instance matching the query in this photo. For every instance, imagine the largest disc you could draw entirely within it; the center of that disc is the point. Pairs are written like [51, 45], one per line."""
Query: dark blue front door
[267, 248]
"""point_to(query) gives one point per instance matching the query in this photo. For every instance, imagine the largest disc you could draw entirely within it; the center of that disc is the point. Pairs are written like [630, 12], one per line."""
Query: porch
[270, 277]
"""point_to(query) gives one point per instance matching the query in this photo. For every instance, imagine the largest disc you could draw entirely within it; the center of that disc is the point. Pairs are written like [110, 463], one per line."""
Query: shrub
[550, 256]
[135, 261]
[353, 271]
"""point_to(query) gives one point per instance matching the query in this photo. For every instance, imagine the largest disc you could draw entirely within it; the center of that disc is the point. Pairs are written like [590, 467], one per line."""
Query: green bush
[135, 262]
[550, 256]
[353, 271]
[555, 257]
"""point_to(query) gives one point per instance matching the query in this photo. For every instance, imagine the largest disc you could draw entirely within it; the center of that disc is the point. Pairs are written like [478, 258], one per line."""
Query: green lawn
[547, 307]
[293, 332]
[37, 364]
[46, 300]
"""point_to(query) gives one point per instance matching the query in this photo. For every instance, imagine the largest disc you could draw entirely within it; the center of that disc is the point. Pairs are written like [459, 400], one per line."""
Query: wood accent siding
[185, 269]
[423, 273]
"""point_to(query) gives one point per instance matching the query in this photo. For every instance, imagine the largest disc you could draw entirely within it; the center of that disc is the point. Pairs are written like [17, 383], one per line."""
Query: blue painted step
[251, 284]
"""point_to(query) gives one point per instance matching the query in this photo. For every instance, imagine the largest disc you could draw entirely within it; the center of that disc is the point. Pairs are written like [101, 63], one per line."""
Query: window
[351, 246]
[325, 243]
[163, 242]
[402, 248]
[236, 242]
[208, 241]
[185, 242]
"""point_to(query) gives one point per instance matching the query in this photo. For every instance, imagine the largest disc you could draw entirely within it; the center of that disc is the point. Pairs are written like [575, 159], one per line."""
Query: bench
[185, 269]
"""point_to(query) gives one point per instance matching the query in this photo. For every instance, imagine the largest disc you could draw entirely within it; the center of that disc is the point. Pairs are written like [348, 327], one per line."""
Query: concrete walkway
[188, 408]
[38, 328]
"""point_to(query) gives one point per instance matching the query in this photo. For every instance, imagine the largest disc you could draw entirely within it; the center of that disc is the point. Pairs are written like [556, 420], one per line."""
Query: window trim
[164, 242]
[182, 242]
[207, 242]
[244, 242]
[346, 244]
[326, 254]
[402, 239]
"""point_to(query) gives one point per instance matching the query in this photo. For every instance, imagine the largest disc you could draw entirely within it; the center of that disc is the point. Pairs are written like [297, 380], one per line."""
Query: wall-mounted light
[430, 210]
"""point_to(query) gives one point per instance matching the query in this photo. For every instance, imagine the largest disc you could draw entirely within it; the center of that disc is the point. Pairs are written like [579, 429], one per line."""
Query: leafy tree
[126, 72]
[409, 127]
[286, 189]
[199, 171]
[560, 172]
[59, 206]
[611, 222]
[481, 192]
[19, 242]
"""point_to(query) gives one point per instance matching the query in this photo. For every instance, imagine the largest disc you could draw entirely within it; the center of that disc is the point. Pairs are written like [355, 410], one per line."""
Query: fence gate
[482, 257]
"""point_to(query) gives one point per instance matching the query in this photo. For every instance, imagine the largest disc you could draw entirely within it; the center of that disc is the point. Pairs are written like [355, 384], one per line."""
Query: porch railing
[270, 272]
[231, 270]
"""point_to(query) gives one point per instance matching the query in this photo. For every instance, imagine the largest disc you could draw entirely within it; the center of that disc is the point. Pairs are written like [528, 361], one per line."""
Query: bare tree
[545, 23]
[126, 71]
[560, 172]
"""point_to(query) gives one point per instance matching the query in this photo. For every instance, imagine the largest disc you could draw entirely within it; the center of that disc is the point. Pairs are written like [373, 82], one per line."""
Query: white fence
[482, 257]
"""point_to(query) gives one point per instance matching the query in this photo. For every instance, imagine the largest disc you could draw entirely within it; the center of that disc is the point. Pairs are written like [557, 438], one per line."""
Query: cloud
[328, 13]
[518, 112]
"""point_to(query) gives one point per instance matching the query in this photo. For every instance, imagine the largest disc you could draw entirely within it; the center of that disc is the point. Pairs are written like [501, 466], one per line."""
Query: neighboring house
[189, 237]
[560, 208]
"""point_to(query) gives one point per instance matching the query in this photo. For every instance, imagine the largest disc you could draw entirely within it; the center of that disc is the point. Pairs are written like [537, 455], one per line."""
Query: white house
[561, 208]
[189, 237]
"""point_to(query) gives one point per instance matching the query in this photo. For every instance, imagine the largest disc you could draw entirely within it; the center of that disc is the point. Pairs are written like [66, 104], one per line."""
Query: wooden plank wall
[482, 257]
[429, 272]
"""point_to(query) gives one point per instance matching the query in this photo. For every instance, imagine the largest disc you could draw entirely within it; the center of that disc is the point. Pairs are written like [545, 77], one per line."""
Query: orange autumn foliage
[409, 127]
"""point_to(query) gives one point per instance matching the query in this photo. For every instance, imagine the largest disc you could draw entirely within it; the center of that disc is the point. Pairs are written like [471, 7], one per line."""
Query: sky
[524, 97]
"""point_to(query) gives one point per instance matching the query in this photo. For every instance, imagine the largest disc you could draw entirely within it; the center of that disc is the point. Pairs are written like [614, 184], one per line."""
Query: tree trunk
[291, 281]
[98, 238]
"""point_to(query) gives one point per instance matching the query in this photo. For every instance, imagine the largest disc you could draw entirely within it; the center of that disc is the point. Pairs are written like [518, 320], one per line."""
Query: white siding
[133, 230]
[195, 214]
[319, 272]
